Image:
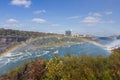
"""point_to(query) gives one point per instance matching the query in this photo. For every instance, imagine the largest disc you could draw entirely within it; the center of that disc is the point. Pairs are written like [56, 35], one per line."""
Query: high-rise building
[68, 33]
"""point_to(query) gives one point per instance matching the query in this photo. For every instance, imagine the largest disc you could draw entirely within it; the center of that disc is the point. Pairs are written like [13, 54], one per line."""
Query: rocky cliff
[10, 37]
[7, 42]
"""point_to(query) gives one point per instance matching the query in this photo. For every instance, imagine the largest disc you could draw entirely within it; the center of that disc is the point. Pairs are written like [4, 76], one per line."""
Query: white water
[113, 45]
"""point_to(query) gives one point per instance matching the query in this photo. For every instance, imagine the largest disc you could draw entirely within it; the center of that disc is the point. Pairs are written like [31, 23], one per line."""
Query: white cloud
[97, 14]
[11, 23]
[55, 25]
[96, 18]
[74, 17]
[109, 13]
[39, 20]
[25, 3]
[11, 20]
[91, 21]
[39, 11]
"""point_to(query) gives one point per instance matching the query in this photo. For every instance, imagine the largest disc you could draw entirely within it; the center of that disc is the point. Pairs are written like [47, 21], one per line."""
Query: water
[110, 44]
[113, 45]
[9, 62]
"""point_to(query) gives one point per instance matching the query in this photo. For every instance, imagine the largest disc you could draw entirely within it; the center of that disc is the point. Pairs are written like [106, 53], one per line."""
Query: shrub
[70, 68]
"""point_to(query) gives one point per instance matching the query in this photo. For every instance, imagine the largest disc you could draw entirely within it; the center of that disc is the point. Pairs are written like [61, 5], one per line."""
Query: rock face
[9, 37]
[6, 42]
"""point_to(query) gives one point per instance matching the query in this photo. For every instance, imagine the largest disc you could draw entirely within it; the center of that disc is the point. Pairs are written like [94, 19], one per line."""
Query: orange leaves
[37, 69]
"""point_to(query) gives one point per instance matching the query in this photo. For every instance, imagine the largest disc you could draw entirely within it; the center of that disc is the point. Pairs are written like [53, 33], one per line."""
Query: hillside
[10, 37]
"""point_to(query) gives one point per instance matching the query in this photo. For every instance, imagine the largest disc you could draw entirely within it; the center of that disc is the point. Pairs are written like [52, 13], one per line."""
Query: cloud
[109, 13]
[73, 17]
[39, 20]
[90, 20]
[25, 3]
[94, 19]
[55, 25]
[11, 20]
[97, 14]
[11, 23]
[39, 11]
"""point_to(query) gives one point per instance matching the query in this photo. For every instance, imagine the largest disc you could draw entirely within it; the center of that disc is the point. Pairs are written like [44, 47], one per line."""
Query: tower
[68, 33]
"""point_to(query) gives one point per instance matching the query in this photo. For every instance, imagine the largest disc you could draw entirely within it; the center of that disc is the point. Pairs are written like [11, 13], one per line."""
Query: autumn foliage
[69, 68]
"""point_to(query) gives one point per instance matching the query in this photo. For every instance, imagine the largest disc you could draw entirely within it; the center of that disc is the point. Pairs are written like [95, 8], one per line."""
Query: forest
[21, 33]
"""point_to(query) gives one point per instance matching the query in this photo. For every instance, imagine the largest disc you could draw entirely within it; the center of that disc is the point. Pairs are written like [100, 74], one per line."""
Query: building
[75, 35]
[68, 33]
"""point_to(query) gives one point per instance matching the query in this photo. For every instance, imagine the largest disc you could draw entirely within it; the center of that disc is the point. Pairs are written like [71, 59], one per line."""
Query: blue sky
[97, 17]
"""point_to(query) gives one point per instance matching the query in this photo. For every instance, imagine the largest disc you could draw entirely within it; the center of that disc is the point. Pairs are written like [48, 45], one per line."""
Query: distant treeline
[69, 68]
[18, 33]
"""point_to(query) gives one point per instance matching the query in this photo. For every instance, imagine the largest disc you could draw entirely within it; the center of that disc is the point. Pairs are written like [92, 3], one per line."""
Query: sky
[95, 17]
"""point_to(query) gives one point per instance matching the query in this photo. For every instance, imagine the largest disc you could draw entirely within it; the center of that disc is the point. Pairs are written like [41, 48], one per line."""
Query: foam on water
[113, 45]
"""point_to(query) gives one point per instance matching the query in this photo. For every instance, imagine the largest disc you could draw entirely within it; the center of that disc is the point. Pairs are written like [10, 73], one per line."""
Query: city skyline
[98, 17]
